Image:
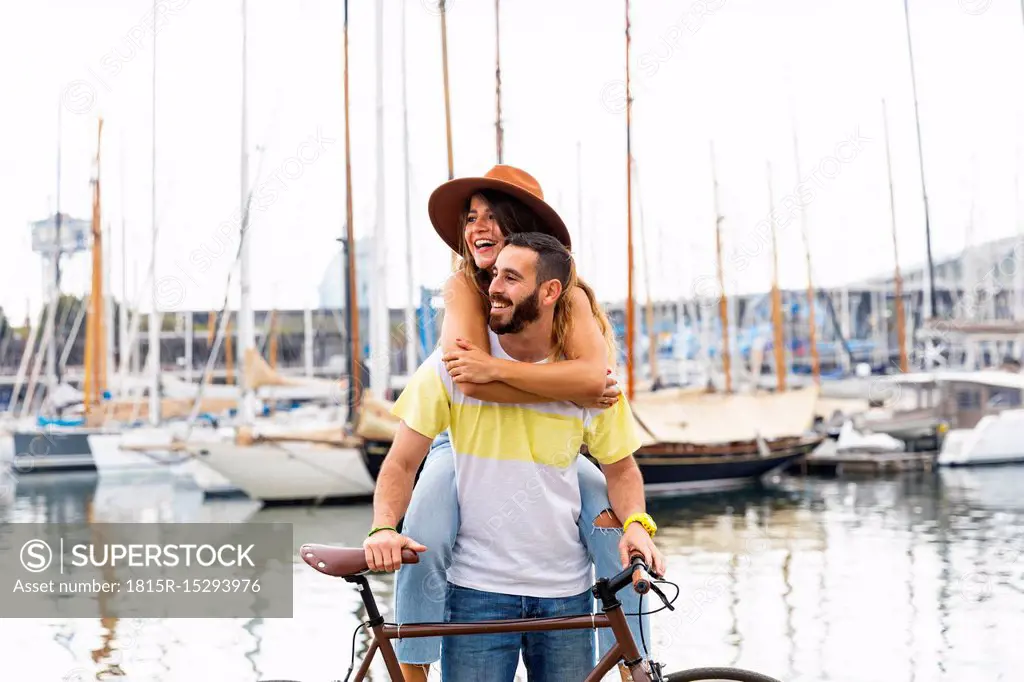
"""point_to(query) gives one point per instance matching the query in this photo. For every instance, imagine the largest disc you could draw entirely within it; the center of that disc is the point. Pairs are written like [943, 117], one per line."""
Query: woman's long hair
[514, 217]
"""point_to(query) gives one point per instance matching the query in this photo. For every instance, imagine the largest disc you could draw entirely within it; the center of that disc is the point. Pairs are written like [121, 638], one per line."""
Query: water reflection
[51, 498]
[917, 578]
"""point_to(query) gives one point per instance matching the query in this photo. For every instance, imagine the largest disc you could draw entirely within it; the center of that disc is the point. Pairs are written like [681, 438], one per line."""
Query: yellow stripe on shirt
[515, 433]
[424, 404]
[547, 433]
[612, 433]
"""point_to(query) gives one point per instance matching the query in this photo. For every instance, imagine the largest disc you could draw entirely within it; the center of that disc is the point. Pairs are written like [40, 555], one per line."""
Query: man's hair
[553, 260]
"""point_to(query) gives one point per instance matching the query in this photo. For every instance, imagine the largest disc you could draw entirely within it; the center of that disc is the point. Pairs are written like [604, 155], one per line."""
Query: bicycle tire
[710, 674]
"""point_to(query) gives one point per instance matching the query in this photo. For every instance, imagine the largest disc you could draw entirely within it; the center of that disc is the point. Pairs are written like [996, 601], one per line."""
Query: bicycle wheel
[710, 674]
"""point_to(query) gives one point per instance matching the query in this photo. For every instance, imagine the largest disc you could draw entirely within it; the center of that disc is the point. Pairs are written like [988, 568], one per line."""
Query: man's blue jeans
[433, 520]
[556, 656]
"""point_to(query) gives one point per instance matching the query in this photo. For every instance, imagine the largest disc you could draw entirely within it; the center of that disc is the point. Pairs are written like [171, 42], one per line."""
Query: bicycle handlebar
[638, 573]
[641, 578]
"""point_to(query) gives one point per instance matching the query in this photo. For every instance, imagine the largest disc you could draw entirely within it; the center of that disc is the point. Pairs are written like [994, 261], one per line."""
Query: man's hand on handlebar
[636, 540]
[384, 550]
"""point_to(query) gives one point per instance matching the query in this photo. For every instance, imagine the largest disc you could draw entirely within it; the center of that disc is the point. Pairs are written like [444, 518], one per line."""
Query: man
[518, 552]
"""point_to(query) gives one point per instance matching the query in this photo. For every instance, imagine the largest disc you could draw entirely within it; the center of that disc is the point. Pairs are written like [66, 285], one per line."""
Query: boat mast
[447, 99]
[379, 338]
[109, 365]
[122, 324]
[629, 225]
[411, 361]
[499, 132]
[1018, 270]
[154, 315]
[354, 360]
[307, 340]
[53, 371]
[1018, 266]
[652, 350]
[901, 325]
[930, 307]
[812, 333]
[246, 318]
[189, 342]
[967, 301]
[780, 351]
[229, 352]
[272, 343]
[1018, 287]
[95, 354]
[723, 302]
[135, 355]
[109, 343]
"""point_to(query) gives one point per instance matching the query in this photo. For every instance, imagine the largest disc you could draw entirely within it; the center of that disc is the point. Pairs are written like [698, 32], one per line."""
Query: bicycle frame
[625, 647]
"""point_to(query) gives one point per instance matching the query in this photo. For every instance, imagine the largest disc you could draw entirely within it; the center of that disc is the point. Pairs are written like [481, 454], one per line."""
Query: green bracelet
[374, 530]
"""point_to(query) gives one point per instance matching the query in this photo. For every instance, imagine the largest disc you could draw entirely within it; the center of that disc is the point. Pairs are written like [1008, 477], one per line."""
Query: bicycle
[349, 563]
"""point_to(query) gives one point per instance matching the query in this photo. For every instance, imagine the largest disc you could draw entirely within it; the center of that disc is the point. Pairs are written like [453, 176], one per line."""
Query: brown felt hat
[448, 202]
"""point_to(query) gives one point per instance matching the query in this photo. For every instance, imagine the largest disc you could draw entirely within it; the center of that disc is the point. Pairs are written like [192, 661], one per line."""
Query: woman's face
[481, 233]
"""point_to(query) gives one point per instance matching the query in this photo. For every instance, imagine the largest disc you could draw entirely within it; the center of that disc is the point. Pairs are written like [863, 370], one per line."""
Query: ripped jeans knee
[607, 521]
[601, 532]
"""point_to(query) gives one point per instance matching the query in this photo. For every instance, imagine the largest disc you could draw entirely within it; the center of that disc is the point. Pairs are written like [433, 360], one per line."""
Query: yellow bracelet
[644, 520]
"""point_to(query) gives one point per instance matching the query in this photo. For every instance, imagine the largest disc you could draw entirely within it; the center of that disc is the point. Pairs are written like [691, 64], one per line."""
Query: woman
[473, 216]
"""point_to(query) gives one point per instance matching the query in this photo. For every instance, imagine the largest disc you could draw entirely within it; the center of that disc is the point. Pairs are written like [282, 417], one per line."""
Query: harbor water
[917, 578]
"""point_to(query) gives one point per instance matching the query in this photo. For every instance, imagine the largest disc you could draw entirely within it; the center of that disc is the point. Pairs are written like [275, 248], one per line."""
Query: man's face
[514, 292]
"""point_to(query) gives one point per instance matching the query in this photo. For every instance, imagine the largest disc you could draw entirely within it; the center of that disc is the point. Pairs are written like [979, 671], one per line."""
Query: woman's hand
[469, 364]
[609, 397]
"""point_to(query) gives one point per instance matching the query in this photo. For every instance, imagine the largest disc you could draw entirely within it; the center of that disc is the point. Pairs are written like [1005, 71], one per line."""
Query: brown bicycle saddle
[342, 562]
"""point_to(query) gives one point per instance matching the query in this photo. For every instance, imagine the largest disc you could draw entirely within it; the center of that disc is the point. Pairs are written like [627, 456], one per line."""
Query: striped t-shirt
[515, 470]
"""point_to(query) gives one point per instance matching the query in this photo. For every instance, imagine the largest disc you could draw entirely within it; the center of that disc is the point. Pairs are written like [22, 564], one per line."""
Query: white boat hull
[112, 461]
[288, 472]
[996, 439]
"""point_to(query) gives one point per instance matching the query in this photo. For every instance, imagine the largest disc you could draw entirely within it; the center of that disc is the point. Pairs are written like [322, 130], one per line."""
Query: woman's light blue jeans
[433, 520]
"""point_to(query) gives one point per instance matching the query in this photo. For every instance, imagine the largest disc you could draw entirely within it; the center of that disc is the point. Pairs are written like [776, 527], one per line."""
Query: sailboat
[296, 459]
[314, 460]
[112, 441]
[59, 442]
[703, 440]
[696, 439]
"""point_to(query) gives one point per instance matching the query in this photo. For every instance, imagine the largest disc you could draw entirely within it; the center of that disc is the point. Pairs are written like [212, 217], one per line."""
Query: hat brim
[448, 202]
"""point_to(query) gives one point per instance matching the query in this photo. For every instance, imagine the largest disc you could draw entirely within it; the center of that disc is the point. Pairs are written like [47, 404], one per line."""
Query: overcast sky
[735, 73]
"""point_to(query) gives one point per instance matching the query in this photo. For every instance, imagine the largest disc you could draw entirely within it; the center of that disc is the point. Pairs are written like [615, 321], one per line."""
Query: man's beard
[523, 313]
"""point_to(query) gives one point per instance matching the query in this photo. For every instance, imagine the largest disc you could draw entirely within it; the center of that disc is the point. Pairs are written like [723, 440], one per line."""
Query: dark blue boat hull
[40, 451]
[666, 472]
